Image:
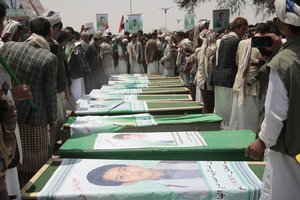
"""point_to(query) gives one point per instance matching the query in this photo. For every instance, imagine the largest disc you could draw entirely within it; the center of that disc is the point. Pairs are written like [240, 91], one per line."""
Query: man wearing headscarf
[135, 52]
[12, 31]
[169, 58]
[280, 131]
[62, 88]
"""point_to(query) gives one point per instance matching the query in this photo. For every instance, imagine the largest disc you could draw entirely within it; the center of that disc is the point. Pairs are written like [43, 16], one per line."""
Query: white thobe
[282, 174]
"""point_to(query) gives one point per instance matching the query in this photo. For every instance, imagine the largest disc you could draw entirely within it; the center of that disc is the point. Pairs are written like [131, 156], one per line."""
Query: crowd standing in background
[57, 65]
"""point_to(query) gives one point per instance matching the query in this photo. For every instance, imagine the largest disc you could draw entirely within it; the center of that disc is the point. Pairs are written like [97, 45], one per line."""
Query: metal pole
[130, 7]
[166, 19]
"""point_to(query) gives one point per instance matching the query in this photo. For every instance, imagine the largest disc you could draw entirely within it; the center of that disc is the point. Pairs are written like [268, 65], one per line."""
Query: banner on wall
[135, 23]
[102, 22]
[189, 20]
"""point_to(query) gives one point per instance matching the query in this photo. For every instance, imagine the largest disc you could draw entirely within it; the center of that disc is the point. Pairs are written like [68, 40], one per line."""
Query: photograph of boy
[182, 177]
[146, 138]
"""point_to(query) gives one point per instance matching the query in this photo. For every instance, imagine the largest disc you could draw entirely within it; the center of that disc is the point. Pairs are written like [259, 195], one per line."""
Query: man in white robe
[279, 129]
[135, 53]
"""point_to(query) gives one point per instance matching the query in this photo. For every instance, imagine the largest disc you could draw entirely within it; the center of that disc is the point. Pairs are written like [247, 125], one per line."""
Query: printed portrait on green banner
[189, 20]
[102, 22]
[136, 180]
[220, 19]
[135, 23]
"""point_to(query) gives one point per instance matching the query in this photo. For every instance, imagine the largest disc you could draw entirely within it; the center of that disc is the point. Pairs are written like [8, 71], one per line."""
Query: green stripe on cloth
[164, 97]
[191, 118]
[221, 145]
[173, 119]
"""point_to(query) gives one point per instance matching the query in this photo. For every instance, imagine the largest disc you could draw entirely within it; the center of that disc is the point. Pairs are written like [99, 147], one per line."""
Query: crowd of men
[250, 88]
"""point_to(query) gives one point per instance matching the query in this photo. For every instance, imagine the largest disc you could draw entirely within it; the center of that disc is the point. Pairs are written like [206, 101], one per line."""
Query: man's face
[69, 33]
[85, 37]
[241, 31]
[128, 174]
[221, 16]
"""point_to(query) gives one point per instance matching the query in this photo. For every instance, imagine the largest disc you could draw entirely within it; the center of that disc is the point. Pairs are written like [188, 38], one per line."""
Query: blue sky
[77, 12]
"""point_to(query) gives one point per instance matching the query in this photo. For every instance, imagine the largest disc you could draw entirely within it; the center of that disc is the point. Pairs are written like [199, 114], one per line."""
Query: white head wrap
[10, 29]
[54, 19]
[197, 28]
[288, 12]
[168, 39]
[186, 43]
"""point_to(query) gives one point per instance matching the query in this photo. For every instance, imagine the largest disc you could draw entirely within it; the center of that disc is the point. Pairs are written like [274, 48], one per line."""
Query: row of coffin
[167, 136]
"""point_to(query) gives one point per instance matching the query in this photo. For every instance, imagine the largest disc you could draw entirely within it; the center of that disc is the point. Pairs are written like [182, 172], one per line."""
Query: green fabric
[191, 118]
[173, 104]
[42, 180]
[258, 170]
[221, 145]
[153, 107]
[171, 119]
[165, 90]
[112, 107]
[151, 85]
[287, 65]
[164, 97]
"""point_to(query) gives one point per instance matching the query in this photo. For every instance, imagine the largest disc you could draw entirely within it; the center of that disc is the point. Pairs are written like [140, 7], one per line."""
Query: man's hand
[276, 42]
[21, 92]
[255, 149]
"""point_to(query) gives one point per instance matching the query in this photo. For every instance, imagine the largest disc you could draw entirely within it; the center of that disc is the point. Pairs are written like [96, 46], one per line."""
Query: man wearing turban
[280, 131]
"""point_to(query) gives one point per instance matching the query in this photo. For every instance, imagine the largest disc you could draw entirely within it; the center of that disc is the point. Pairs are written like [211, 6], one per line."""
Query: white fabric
[281, 179]
[152, 68]
[292, 18]
[136, 68]
[161, 68]
[198, 94]
[134, 53]
[10, 28]
[122, 64]
[54, 19]
[169, 65]
[122, 67]
[244, 66]
[12, 183]
[37, 40]
[106, 51]
[244, 117]
[77, 88]
[276, 107]
[223, 104]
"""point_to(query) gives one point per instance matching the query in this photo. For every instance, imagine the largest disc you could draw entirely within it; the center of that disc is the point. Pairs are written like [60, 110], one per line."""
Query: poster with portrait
[220, 19]
[135, 23]
[189, 20]
[102, 22]
[87, 107]
[110, 124]
[158, 179]
[149, 140]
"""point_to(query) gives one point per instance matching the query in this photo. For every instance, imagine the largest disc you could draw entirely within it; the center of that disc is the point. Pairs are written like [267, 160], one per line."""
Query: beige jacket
[251, 70]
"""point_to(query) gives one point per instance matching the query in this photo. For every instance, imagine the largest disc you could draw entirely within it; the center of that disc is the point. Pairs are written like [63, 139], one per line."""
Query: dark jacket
[224, 72]
[36, 67]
